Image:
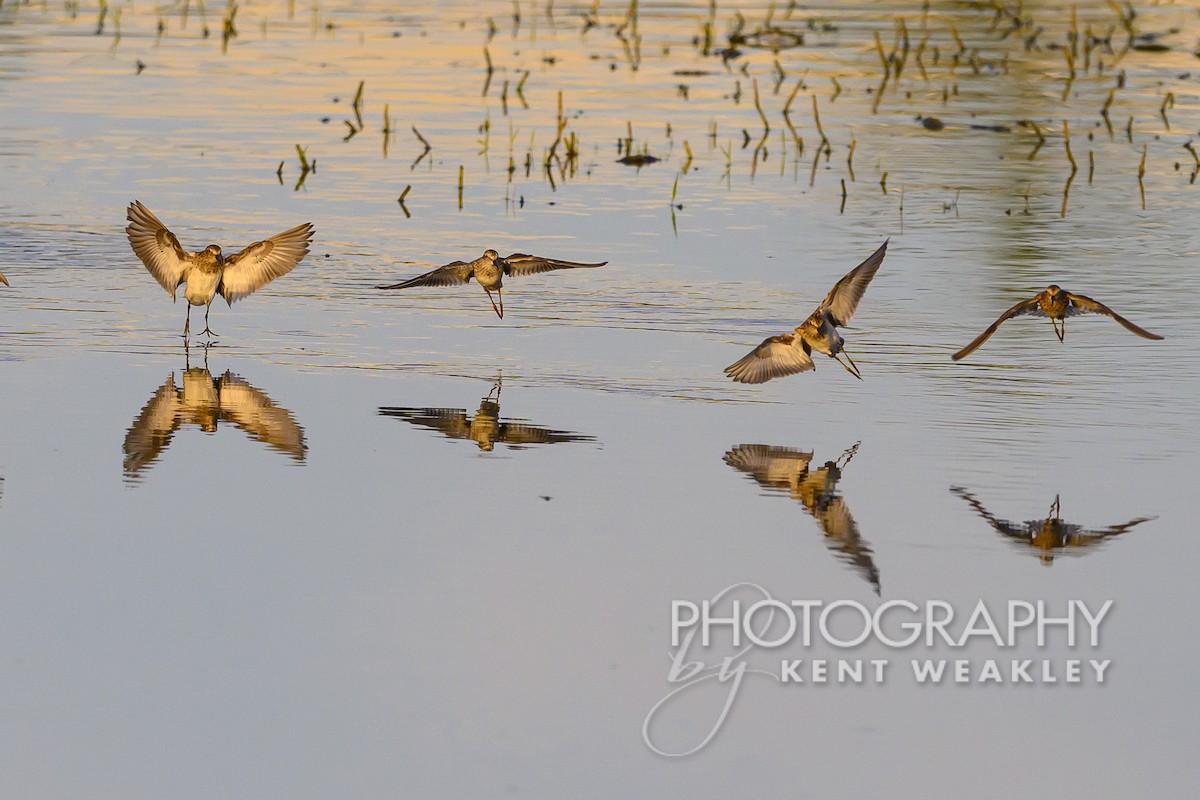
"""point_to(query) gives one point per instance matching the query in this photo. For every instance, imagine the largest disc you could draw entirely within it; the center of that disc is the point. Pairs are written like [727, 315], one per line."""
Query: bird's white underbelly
[201, 286]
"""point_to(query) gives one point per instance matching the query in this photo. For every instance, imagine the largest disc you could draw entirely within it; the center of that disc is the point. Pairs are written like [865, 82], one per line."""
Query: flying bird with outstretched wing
[1057, 304]
[489, 270]
[791, 353]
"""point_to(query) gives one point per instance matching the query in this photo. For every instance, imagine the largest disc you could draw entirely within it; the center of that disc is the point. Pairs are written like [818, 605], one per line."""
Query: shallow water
[302, 571]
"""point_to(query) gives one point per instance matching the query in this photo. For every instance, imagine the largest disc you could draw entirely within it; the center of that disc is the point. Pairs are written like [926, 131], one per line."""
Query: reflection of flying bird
[1050, 536]
[207, 273]
[205, 401]
[486, 428]
[490, 269]
[790, 353]
[783, 469]
[1057, 304]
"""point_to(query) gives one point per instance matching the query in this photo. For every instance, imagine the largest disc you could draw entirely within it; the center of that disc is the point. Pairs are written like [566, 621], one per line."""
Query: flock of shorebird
[206, 273]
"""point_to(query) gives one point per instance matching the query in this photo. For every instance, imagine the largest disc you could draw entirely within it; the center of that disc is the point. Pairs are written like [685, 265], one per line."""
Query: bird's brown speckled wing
[151, 432]
[252, 411]
[775, 357]
[843, 538]
[157, 247]
[524, 264]
[519, 433]
[844, 296]
[262, 262]
[1087, 538]
[451, 422]
[1029, 306]
[1001, 526]
[1086, 305]
[779, 468]
[455, 273]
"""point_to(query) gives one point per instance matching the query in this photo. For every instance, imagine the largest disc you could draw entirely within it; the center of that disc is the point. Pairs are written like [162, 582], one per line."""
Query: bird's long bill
[3, 279]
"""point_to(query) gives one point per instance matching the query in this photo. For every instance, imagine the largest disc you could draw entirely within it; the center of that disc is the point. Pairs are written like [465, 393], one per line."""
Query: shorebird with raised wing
[1057, 304]
[207, 272]
[791, 353]
[490, 269]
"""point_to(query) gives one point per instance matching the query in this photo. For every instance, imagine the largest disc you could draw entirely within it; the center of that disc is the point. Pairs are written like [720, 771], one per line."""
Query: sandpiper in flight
[790, 353]
[489, 269]
[1057, 304]
[207, 272]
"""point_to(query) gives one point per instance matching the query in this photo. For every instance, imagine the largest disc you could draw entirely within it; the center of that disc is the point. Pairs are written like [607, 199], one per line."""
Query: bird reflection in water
[1051, 536]
[205, 401]
[783, 469]
[487, 429]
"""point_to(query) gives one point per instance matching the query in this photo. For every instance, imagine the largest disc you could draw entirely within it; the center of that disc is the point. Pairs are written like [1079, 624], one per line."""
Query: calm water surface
[375, 543]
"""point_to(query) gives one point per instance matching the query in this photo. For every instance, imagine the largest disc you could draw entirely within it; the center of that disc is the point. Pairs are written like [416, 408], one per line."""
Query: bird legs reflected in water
[787, 470]
[496, 387]
[1050, 536]
[187, 352]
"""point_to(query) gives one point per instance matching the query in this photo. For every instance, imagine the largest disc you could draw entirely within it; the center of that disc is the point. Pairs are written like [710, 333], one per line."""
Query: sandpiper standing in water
[790, 353]
[490, 269]
[207, 272]
[1057, 304]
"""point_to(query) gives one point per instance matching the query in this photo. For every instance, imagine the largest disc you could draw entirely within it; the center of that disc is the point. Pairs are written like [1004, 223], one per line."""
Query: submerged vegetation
[1001, 82]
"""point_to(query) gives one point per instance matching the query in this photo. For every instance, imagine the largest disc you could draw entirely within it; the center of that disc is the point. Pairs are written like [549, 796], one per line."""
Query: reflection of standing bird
[205, 401]
[486, 428]
[786, 470]
[207, 273]
[790, 353]
[490, 269]
[1050, 536]
[1057, 304]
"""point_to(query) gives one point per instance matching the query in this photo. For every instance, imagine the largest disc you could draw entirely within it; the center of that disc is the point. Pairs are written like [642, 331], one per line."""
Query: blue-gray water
[281, 591]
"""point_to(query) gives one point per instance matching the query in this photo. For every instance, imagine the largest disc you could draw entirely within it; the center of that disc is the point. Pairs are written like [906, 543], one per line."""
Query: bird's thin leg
[849, 454]
[500, 294]
[187, 323]
[499, 313]
[207, 330]
[852, 368]
[1060, 332]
